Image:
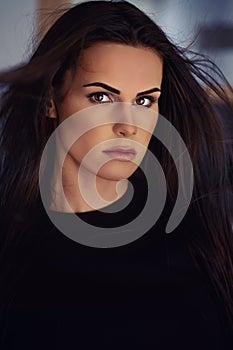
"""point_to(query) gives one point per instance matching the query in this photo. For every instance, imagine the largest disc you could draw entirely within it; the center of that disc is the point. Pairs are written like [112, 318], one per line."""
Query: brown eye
[140, 101]
[145, 101]
[99, 97]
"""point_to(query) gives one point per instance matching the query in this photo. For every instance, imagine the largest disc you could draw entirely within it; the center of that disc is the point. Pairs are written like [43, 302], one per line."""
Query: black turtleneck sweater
[146, 294]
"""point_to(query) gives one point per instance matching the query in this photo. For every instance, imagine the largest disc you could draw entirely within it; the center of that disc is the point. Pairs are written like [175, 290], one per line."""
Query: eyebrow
[117, 92]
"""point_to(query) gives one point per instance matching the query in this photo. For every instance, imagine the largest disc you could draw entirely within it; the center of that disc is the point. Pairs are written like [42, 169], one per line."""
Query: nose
[125, 126]
[124, 130]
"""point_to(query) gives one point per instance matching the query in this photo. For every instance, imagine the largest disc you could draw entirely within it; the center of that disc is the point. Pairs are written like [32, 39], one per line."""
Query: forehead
[121, 65]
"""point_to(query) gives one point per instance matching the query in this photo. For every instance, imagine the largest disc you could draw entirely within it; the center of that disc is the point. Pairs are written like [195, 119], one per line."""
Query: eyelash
[91, 95]
[150, 98]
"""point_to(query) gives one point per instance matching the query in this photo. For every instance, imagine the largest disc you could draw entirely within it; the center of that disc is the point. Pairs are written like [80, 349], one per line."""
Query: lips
[124, 154]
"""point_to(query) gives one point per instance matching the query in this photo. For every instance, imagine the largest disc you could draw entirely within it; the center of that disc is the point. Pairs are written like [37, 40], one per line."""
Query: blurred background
[209, 21]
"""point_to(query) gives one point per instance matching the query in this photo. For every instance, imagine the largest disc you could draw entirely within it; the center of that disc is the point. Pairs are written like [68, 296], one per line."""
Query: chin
[116, 170]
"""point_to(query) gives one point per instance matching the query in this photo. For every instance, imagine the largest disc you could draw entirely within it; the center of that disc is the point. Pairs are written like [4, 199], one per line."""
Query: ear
[51, 110]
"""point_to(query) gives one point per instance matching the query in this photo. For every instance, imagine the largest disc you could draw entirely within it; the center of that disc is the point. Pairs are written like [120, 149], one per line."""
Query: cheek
[145, 137]
[70, 105]
[89, 140]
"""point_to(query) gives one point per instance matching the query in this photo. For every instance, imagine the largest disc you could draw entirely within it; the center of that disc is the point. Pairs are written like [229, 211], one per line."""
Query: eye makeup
[104, 97]
[98, 94]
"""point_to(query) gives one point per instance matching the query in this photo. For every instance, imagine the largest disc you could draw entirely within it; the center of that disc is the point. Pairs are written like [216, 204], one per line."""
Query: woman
[160, 289]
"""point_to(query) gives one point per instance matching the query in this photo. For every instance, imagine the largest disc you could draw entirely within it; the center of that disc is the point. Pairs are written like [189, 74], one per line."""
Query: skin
[128, 69]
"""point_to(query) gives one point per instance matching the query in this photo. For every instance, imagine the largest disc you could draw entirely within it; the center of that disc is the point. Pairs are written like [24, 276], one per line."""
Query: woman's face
[123, 74]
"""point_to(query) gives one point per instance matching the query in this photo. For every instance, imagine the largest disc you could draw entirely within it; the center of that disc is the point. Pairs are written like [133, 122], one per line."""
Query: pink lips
[124, 154]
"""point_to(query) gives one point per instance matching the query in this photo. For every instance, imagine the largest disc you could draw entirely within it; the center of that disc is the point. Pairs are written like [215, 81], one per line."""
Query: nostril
[125, 129]
[122, 133]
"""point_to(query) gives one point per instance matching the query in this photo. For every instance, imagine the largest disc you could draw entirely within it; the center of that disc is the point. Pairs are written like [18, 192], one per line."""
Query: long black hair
[185, 101]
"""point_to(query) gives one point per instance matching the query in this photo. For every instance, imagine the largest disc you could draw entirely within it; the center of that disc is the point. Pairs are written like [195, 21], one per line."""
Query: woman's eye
[99, 97]
[145, 101]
